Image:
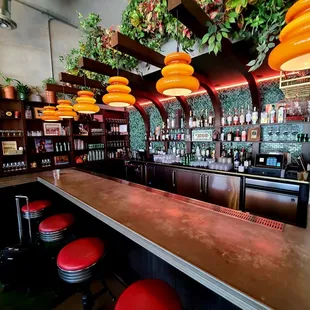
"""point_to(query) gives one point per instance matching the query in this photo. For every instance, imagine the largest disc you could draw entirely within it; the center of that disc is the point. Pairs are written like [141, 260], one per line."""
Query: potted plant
[23, 90]
[8, 89]
[35, 94]
[50, 95]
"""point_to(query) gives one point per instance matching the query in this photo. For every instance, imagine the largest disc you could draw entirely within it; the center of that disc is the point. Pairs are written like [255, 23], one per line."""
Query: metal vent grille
[248, 217]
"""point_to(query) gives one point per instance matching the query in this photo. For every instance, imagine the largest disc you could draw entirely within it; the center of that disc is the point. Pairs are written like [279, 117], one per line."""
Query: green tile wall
[231, 98]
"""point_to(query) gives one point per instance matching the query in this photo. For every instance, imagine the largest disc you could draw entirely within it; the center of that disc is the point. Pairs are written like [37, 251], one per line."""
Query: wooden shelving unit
[28, 141]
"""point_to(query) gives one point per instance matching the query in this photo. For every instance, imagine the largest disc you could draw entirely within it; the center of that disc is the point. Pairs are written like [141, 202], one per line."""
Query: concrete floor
[104, 302]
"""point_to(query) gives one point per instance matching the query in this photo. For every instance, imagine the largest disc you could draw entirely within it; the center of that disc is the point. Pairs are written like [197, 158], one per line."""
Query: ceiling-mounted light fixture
[293, 53]
[86, 103]
[5, 15]
[118, 93]
[177, 77]
[65, 109]
[50, 114]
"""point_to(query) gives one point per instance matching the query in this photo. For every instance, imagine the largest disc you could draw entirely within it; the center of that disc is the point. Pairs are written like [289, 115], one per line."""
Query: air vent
[5, 15]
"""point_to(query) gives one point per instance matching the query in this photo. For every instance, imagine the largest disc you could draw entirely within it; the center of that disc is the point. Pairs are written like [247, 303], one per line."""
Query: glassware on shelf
[277, 133]
[270, 133]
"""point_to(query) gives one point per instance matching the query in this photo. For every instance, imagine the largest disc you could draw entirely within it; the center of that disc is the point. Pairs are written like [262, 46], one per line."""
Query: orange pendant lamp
[177, 77]
[293, 53]
[86, 103]
[65, 109]
[50, 114]
[118, 93]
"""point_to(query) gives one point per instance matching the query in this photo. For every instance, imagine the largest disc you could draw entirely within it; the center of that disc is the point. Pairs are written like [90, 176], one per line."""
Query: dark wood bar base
[279, 199]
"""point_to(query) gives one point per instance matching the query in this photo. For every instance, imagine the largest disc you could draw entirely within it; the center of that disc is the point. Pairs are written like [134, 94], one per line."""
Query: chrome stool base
[52, 236]
[32, 215]
[76, 276]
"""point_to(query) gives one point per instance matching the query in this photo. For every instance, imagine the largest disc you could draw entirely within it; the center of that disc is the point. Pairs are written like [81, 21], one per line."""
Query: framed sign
[254, 134]
[61, 160]
[43, 145]
[9, 147]
[202, 135]
[51, 129]
[38, 112]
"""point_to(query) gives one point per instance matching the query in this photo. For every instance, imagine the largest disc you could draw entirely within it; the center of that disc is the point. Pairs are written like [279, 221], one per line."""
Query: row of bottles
[234, 136]
[169, 134]
[62, 147]
[95, 155]
[249, 117]
[199, 121]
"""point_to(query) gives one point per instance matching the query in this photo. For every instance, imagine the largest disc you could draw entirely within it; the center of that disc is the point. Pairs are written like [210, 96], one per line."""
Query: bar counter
[252, 266]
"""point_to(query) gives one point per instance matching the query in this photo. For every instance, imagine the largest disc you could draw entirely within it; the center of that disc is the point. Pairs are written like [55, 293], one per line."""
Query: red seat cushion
[37, 205]
[150, 295]
[80, 254]
[56, 222]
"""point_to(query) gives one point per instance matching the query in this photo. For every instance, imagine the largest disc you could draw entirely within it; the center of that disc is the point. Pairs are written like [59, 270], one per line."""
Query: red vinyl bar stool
[36, 209]
[54, 227]
[77, 263]
[149, 294]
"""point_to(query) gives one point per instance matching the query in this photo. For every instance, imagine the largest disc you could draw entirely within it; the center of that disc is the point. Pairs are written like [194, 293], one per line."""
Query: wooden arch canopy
[192, 16]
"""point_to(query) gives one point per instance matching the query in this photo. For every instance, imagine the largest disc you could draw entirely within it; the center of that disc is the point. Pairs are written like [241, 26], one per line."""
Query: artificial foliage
[150, 23]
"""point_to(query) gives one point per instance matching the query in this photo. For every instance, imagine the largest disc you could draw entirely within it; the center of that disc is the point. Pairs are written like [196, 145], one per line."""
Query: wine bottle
[190, 122]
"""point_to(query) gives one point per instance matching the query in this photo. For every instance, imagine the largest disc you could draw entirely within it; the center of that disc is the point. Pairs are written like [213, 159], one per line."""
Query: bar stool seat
[36, 209]
[76, 260]
[149, 294]
[53, 228]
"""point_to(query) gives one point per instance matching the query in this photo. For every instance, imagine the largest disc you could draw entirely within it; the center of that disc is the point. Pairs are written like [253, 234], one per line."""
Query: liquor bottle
[194, 121]
[242, 117]
[182, 135]
[236, 118]
[229, 136]
[223, 119]
[198, 121]
[163, 136]
[173, 121]
[229, 118]
[237, 137]
[281, 117]
[248, 116]
[182, 121]
[145, 137]
[254, 116]
[264, 117]
[168, 123]
[272, 115]
[243, 135]
[56, 147]
[179, 135]
[174, 149]
[190, 121]
[202, 121]
[203, 152]
[211, 119]
[208, 153]
[206, 119]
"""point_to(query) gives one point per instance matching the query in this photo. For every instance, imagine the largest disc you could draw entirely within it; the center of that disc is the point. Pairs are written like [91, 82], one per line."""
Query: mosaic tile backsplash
[238, 97]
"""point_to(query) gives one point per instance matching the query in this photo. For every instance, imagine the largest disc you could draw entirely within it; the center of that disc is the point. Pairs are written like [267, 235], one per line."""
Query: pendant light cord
[117, 62]
[178, 44]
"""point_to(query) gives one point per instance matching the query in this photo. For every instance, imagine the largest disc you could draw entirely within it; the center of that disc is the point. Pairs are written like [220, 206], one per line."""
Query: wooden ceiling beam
[79, 80]
[101, 68]
[190, 14]
[133, 48]
[62, 89]
[194, 18]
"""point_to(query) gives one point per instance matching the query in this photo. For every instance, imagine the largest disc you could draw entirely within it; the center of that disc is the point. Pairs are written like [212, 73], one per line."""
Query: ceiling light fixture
[86, 103]
[50, 114]
[118, 92]
[293, 53]
[177, 77]
[65, 109]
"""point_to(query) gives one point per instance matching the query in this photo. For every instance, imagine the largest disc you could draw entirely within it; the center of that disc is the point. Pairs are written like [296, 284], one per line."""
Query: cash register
[271, 165]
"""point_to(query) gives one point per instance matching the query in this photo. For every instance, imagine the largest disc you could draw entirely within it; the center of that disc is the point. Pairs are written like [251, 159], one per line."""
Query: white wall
[24, 52]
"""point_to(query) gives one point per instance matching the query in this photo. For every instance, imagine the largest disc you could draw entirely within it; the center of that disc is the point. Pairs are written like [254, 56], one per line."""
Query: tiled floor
[104, 302]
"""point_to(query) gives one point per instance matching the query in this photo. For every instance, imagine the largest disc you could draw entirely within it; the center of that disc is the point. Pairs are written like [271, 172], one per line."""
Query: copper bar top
[252, 266]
